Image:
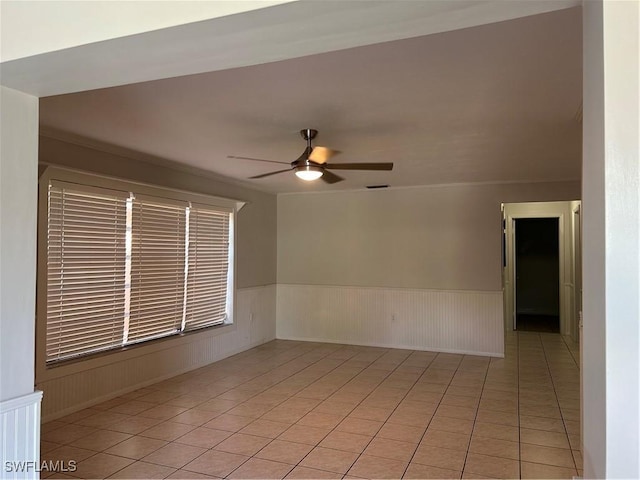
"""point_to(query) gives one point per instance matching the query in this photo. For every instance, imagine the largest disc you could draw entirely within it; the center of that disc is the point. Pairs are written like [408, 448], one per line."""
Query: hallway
[310, 410]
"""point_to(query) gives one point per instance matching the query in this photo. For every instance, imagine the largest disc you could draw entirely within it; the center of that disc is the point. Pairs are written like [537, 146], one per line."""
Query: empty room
[315, 240]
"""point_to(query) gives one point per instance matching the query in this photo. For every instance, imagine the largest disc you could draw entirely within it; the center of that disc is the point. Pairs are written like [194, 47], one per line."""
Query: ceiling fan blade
[330, 177]
[321, 154]
[257, 159]
[360, 166]
[270, 173]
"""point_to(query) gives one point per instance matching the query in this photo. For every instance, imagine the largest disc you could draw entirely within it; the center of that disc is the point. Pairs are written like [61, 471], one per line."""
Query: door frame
[576, 219]
[513, 211]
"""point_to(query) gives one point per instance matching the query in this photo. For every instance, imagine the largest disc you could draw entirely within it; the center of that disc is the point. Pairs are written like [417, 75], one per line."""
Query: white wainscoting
[446, 321]
[255, 320]
[20, 436]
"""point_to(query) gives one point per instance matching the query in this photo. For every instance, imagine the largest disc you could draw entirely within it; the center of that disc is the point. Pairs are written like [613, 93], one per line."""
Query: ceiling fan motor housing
[304, 160]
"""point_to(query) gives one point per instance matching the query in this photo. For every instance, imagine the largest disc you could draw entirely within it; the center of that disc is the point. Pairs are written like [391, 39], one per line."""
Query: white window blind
[124, 268]
[85, 270]
[208, 267]
[157, 268]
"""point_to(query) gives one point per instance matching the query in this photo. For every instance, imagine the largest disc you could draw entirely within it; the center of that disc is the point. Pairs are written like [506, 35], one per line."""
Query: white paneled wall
[447, 321]
[20, 436]
[254, 325]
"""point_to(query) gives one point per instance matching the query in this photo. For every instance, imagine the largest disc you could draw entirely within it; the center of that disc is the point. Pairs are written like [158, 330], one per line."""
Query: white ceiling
[493, 103]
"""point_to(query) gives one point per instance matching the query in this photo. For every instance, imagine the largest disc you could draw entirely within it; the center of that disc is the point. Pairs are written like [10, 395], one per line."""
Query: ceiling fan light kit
[309, 172]
[312, 164]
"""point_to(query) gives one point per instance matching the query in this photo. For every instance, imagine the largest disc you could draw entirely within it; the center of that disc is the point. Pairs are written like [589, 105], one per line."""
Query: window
[124, 268]
[208, 277]
[158, 263]
[86, 258]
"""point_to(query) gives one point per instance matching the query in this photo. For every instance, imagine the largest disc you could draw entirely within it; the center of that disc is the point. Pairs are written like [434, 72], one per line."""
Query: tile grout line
[434, 412]
[546, 362]
[548, 371]
[554, 355]
[373, 436]
[484, 382]
[327, 373]
[573, 356]
[333, 429]
[278, 404]
[250, 379]
[555, 392]
[518, 405]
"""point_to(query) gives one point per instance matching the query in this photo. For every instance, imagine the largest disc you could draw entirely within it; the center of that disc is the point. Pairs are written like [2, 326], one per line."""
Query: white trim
[86, 178]
[394, 346]
[559, 210]
[256, 287]
[561, 258]
[576, 212]
[150, 160]
[389, 288]
[20, 402]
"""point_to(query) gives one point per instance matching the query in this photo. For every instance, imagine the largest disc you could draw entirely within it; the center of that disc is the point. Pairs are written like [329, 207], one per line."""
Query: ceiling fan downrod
[308, 134]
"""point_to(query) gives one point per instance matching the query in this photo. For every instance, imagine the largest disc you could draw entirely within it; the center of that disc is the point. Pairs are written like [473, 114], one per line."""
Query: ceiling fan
[313, 163]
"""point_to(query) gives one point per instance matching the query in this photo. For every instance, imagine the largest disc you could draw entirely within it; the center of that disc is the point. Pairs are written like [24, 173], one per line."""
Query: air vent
[377, 186]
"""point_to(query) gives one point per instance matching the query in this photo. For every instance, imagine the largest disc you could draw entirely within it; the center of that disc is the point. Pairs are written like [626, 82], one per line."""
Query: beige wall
[445, 238]
[256, 228]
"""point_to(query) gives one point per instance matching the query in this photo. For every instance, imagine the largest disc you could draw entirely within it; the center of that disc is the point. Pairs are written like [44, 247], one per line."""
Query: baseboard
[401, 347]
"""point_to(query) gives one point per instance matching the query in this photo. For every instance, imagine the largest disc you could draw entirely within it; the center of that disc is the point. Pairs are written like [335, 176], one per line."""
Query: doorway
[537, 274]
[561, 213]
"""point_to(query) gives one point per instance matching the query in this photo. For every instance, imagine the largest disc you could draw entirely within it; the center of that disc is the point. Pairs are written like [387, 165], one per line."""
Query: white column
[19, 406]
[611, 240]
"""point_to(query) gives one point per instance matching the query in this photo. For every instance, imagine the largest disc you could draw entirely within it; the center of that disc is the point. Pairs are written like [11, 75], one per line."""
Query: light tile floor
[310, 410]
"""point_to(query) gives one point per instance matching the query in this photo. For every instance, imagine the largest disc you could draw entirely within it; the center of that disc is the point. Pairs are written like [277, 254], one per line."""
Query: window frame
[46, 372]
